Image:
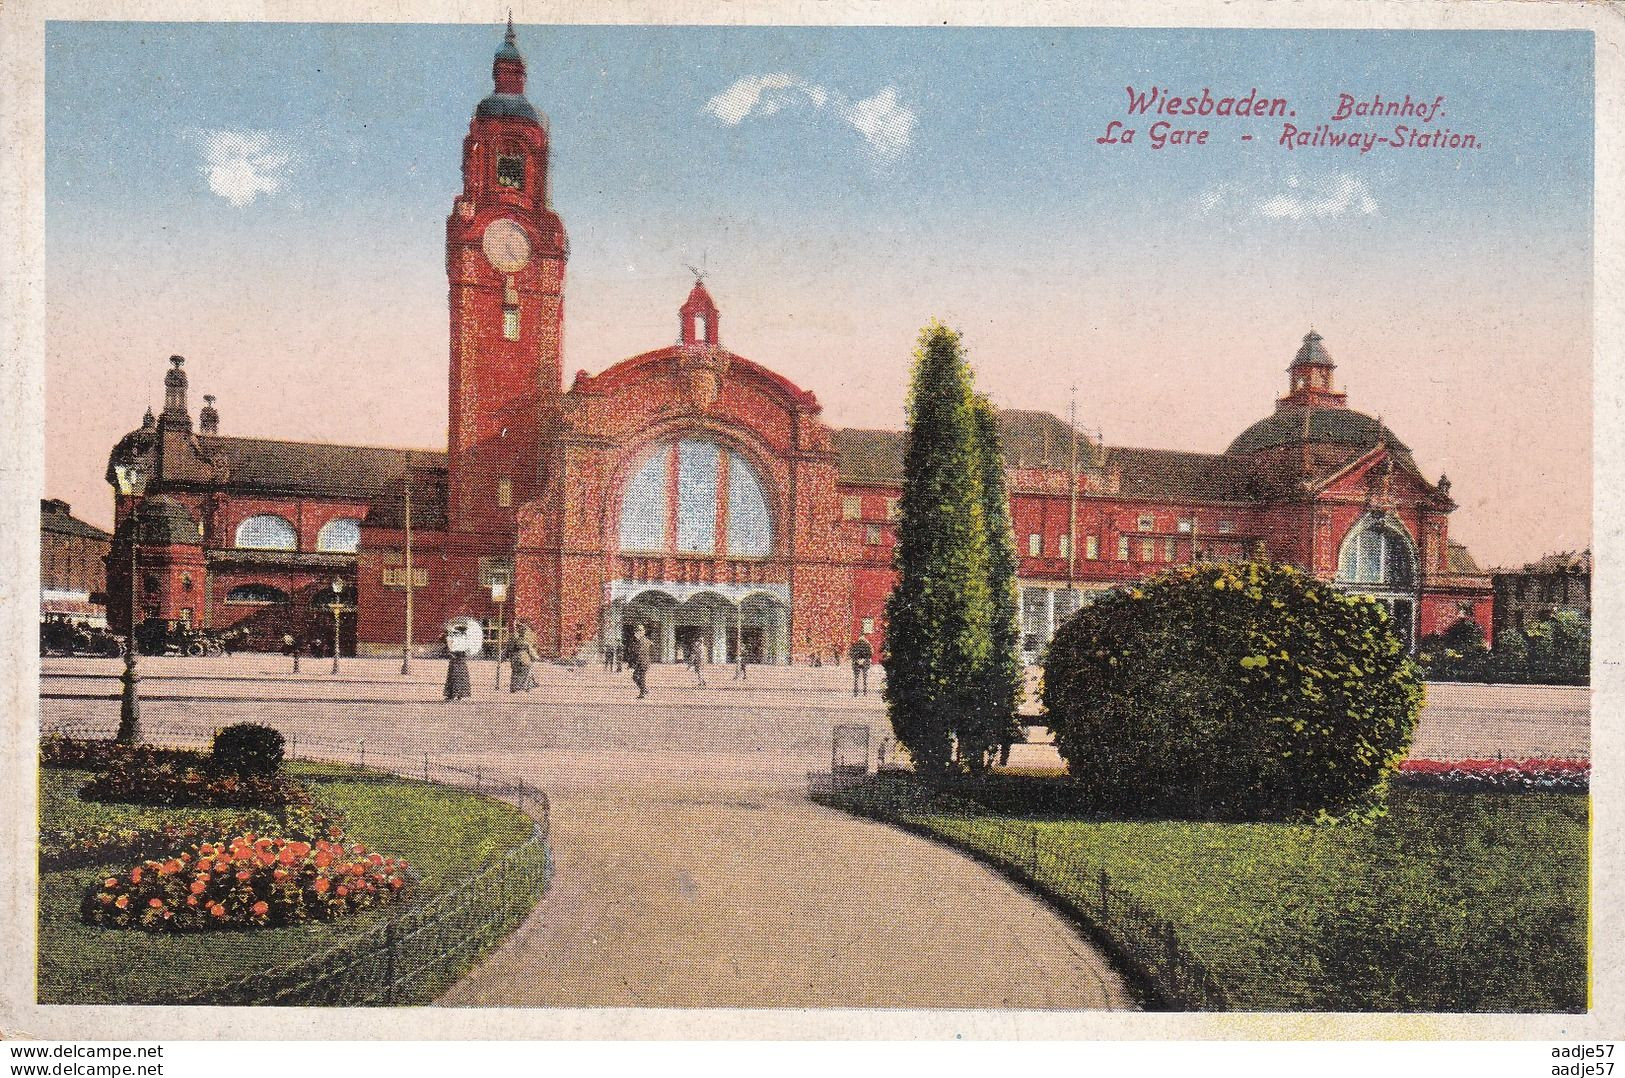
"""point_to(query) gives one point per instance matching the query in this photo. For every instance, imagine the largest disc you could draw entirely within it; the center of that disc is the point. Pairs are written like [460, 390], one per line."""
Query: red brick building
[72, 565]
[696, 491]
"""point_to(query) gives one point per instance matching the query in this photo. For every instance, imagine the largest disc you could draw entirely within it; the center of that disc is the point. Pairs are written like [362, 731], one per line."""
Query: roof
[1035, 438]
[54, 517]
[1457, 560]
[1568, 561]
[163, 521]
[364, 473]
[1164, 473]
[513, 105]
[869, 456]
[1338, 426]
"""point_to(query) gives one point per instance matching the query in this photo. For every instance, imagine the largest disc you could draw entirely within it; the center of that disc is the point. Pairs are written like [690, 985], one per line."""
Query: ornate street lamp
[132, 480]
[336, 606]
[499, 595]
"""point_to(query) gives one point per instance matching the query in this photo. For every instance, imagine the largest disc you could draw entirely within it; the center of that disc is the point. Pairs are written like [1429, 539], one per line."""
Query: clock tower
[505, 255]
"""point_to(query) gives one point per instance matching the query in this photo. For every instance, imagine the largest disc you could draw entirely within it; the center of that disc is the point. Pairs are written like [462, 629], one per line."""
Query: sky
[269, 201]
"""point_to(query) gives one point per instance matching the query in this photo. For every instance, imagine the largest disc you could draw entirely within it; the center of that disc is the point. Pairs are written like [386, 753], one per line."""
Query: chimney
[209, 418]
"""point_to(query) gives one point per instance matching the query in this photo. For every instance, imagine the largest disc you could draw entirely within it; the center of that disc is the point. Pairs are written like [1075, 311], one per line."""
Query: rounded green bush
[1236, 691]
[247, 748]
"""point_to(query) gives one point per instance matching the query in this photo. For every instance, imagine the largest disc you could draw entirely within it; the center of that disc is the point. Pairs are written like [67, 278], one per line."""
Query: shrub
[1457, 654]
[1243, 691]
[133, 782]
[246, 881]
[248, 748]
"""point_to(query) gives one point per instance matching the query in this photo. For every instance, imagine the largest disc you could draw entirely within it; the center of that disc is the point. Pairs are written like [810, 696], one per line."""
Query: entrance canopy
[720, 621]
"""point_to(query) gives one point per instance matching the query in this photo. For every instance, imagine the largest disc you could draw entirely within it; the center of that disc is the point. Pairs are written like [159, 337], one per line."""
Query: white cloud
[1341, 194]
[241, 165]
[886, 124]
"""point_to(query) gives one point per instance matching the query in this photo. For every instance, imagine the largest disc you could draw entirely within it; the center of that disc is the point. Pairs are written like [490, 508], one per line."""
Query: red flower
[259, 909]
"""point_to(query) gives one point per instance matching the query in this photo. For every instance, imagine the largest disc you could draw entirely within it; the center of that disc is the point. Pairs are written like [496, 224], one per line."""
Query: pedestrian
[696, 661]
[458, 685]
[863, 653]
[522, 655]
[290, 646]
[609, 658]
[740, 673]
[638, 656]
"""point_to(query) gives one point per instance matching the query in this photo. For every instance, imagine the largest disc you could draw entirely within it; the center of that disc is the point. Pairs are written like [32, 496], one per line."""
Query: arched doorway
[1378, 558]
[722, 619]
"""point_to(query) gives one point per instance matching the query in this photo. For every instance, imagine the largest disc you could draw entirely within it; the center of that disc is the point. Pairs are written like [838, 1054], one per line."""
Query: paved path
[691, 870]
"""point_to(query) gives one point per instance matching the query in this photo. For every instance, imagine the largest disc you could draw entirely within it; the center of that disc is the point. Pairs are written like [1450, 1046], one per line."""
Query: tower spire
[508, 38]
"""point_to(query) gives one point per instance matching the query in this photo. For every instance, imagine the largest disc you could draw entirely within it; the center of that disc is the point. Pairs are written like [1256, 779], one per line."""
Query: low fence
[419, 951]
[1144, 946]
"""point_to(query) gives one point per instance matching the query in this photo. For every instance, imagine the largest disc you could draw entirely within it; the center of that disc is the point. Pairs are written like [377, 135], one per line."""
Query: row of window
[271, 532]
[852, 507]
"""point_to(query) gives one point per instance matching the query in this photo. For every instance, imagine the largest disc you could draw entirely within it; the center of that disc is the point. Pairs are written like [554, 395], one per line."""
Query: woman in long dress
[458, 686]
[522, 655]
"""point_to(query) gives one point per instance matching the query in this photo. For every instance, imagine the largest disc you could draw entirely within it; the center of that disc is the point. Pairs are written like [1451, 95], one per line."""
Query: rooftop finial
[508, 37]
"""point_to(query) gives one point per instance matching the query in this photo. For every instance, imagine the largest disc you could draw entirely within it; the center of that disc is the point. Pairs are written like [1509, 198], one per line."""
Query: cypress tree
[939, 615]
[1000, 685]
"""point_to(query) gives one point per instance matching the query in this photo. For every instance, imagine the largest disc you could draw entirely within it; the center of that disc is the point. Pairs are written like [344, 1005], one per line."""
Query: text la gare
[1162, 133]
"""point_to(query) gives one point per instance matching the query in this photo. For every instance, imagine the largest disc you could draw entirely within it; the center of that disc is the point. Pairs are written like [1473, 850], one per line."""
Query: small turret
[209, 419]
[1310, 376]
[175, 416]
[698, 319]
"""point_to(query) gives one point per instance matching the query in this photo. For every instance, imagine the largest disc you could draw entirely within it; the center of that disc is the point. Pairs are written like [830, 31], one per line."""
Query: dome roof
[512, 105]
[162, 521]
[1327, 426]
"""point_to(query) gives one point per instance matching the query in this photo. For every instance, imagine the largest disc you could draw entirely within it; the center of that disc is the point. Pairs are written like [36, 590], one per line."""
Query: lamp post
[406, 652]
[336, 606]
[133, 482]
[499, 595]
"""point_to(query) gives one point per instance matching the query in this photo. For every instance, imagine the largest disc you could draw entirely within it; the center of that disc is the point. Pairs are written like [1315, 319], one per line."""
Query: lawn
[448, 835]
[1453, 902]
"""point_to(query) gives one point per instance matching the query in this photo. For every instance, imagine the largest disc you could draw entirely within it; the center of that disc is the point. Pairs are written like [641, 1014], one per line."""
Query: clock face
[506, 246]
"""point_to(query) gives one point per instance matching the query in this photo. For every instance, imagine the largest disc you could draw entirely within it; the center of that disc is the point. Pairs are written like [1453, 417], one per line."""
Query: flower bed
[139, 782]
[1561, 776]
[75, 846]
[99, 754]
[247, 881]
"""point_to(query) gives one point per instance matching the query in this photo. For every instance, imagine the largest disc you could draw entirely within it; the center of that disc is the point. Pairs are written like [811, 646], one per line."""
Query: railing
[419, 951]
[1145, 947]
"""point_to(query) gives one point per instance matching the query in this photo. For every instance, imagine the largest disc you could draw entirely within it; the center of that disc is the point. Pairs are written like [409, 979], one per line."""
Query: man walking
[863, 653]
[696, 660]
[639, 655]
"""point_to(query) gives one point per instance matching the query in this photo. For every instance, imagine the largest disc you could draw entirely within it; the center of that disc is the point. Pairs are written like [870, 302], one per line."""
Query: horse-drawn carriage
[58, 636]
[156, 636]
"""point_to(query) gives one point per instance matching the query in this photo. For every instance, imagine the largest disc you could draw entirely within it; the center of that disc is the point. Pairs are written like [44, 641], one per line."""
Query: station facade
[701, 494]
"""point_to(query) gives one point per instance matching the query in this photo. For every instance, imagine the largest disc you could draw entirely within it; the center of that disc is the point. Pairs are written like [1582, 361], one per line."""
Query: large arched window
[341, 536]
[266, 533]
[1376, 554]
[678, 499]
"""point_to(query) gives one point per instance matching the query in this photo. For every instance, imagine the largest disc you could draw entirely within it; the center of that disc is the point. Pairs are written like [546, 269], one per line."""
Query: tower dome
[508, 78]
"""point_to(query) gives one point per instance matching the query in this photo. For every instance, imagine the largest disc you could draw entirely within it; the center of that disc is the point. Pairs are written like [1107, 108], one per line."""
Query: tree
[940, 614]
[1456, 654]
[1248, 691]
[999, 692]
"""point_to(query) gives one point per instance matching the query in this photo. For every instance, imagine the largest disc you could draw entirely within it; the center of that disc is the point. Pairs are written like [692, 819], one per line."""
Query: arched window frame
[243, 539]
[327, 541]
[1394, 538]
[256, 594]
[695, 496]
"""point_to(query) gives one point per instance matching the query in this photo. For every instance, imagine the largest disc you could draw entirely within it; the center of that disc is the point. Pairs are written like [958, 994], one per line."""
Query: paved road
[691, 870]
